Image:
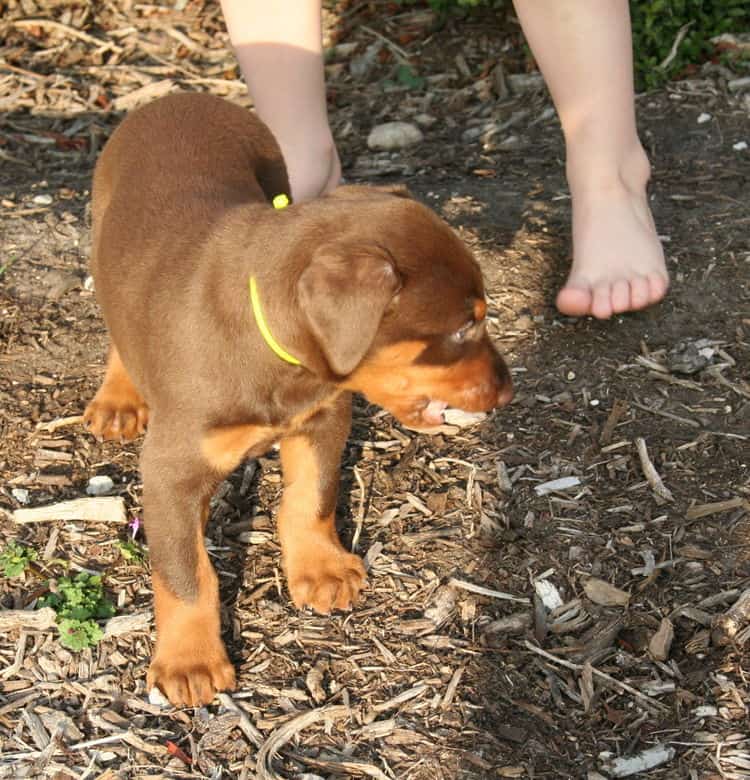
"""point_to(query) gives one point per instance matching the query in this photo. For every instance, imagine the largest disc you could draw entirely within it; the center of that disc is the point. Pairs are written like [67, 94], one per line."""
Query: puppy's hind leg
[118, 410]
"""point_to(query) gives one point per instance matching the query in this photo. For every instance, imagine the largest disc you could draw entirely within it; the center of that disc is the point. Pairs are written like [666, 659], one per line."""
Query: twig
[360, 509]
[714, 508]
[60, 422]
[680, 37]
[403, 55]
[245, 724]
[650, 472]
[288, 730]
[647, 701]
[668, 415]
[482, 591]
[66, 30]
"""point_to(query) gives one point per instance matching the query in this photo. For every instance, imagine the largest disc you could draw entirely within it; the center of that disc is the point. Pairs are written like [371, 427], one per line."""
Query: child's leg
[584, 50]
[279, 49]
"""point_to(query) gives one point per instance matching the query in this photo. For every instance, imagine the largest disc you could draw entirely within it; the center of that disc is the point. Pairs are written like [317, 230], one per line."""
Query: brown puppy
[364, 291]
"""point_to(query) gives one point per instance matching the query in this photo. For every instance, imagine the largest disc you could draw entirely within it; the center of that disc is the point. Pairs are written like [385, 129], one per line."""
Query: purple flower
[134, 525]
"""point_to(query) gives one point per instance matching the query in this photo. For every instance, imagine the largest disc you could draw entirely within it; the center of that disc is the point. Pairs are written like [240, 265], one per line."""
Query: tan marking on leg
[225, 447]
[320, 572]
[190, 663]
[117, 411]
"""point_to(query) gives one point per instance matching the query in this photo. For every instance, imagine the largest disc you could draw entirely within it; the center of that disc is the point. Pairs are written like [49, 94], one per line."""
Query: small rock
[703, 118]
[705, 711]
[736, 85]
[100, 486]
[740, 146]
[690, 356]
[425, 120]
[524, 82]
[21, 495]
[156, 697]
[394, 135]
[42, 200]
[604, 594]
[661, 641]
[471, 134]
[504, 145]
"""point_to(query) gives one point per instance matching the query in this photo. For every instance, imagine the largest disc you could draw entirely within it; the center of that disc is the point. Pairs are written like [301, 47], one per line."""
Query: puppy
[235, 325]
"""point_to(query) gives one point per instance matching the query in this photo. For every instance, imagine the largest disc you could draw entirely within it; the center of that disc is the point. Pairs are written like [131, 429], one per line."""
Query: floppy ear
[343, 292]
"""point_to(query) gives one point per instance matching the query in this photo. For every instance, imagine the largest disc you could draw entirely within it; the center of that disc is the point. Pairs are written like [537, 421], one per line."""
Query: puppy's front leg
[190, 662]
[320, 572]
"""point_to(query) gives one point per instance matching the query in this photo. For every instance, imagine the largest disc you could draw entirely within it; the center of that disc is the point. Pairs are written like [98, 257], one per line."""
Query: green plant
[15, 558]
[132, 551]
[670, 35]
[79, 602]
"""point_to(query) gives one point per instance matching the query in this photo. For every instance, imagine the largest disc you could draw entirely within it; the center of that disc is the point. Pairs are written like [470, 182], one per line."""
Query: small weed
[79, 602]
[132, 551]
[15, 558]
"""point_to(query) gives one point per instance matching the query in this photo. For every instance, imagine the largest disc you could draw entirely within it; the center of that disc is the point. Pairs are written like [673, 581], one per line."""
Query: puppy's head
[397, 308]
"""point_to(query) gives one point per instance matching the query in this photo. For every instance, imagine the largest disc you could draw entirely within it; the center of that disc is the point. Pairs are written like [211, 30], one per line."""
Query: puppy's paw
[113, 415]
[193, 676]
[325, 578]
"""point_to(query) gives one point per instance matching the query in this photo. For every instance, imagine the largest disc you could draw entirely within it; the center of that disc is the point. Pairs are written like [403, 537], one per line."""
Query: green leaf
[407, 78]
[15, 558]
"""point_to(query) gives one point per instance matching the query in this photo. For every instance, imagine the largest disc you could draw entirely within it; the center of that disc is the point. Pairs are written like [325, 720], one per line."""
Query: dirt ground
[487, 644]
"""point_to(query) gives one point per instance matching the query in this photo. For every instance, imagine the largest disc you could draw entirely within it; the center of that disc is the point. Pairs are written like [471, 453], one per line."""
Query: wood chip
[143, 95]
[661, 641]
[289, 730]
[650, 758]
[35, 620]
[563, 483]
[650, 472]
[714, 508]
[604, 594]
[726, 627]
[121, 625]
[103, 509]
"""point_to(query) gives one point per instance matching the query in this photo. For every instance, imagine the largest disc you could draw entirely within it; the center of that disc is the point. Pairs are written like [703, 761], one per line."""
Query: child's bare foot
[618, 262]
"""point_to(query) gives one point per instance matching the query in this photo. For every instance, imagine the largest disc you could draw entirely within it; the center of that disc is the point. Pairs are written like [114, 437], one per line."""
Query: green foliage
[408, 78]
[15, 558]
[657, 24]
[79, 602]
[132, 551]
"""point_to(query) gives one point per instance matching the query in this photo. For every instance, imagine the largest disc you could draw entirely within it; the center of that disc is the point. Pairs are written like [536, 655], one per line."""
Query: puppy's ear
[343, 293]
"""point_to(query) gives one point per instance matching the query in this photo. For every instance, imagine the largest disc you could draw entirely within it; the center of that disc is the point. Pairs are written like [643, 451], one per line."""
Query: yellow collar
[263, 326]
